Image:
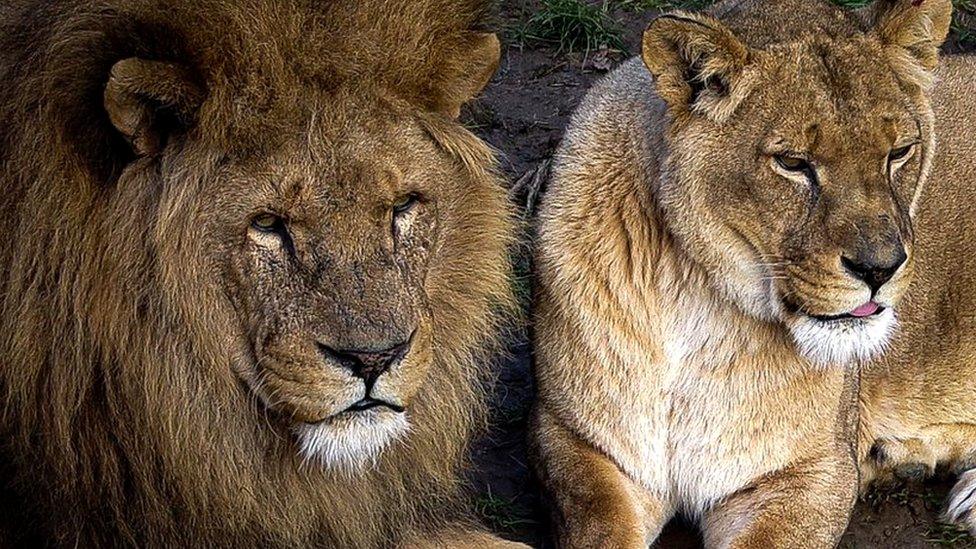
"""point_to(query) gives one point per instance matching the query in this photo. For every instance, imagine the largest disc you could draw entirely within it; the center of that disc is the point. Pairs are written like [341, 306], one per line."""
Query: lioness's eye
[792, 163]
[268, 223]
[900, 153]
[405, 203]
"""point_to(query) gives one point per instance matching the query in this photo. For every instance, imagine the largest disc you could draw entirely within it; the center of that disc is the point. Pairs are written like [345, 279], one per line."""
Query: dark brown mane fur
[112, 403]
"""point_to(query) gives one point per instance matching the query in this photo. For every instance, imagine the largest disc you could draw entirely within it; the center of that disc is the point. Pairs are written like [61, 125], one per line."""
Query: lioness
[726, 240]
[250, 267]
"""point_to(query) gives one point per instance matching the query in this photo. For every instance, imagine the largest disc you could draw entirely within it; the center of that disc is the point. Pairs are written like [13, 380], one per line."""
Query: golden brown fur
[918, 402]
[704, 239]
[157, 351]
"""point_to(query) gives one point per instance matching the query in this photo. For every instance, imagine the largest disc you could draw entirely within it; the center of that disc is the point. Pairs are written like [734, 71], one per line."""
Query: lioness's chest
[698, 429]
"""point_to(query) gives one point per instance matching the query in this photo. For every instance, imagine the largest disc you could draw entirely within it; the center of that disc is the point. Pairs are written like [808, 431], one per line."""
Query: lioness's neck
[693, 314]
[697, 321]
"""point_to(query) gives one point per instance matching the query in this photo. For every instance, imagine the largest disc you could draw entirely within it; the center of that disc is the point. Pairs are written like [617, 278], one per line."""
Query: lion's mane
[119, 423]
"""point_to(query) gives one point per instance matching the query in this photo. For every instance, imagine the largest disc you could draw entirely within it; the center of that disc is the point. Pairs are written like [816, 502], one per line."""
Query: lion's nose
[876, 267]
[366, 364]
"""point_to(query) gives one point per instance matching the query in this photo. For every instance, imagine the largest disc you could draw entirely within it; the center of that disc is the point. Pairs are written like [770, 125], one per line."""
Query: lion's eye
[792, 163]
[268, 223]
[405, 203]
[900, 153]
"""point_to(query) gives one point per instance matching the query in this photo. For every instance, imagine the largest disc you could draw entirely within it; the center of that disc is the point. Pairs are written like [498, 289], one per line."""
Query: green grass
[573, 25]
[964, 23]
[501, 514]
[947, 535]
[642, 5]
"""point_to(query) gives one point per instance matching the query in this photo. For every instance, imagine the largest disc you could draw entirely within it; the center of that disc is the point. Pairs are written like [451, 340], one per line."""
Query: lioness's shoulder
[627, 85]
[609, 156]
[611, 127]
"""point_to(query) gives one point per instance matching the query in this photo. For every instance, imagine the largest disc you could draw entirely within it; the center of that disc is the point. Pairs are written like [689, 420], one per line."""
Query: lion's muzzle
[368, 365]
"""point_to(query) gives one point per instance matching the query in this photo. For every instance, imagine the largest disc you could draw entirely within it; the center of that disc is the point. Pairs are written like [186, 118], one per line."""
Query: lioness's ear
[148, 100]
[697, 63]
[465, 71]
[913, 30]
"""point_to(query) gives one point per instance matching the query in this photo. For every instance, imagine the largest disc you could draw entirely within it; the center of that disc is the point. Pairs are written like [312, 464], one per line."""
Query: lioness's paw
[961, 507]
[461, 539]
[907, 459]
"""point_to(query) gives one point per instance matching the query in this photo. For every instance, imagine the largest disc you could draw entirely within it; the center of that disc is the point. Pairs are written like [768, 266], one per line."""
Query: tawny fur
[125, 419]
[679, 266]
[918, 402]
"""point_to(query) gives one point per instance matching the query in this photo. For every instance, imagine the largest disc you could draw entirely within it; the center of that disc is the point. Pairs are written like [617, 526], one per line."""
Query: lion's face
[800, 195]
[331, 240]
[333, 232]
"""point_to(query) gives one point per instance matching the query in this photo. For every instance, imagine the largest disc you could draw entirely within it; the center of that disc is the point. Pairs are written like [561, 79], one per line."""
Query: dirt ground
[523, 114]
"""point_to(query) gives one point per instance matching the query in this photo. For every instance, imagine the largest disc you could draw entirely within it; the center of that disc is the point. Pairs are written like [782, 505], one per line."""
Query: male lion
[726, 240]
[250, 264]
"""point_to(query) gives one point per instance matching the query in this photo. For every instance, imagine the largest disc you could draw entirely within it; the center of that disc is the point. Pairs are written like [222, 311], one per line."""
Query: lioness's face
[830, 155]
[801, 198]
[331, 238]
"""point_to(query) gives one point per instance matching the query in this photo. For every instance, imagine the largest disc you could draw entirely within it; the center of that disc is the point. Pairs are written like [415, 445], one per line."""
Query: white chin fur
[351, 442]
[840, 342]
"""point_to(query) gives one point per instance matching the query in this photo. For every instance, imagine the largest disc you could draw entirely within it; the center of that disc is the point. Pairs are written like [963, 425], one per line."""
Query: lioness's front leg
[918, 452]
[459, 537]
[806, 506]
[594, 503]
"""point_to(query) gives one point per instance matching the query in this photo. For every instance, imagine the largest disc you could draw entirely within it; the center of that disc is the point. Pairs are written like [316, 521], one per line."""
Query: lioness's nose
[366, 364]
[876, 266]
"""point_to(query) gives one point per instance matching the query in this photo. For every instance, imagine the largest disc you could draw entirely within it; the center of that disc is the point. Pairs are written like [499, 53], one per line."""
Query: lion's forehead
[347, 120]
[762, 24]
[337, 154]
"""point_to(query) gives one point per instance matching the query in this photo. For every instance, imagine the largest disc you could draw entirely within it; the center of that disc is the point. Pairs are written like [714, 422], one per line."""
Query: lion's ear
[697, 64]
[149, 100]
[914, 30]
[464, 71]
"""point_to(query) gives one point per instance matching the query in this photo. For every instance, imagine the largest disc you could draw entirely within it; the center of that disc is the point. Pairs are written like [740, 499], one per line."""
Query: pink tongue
[867, 309]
